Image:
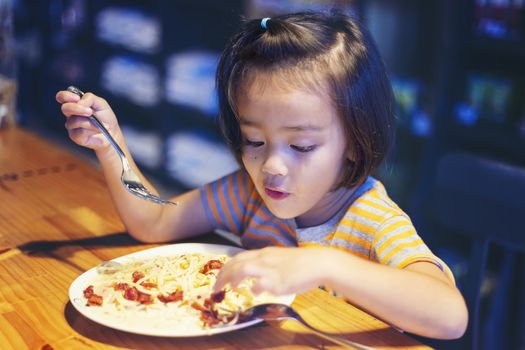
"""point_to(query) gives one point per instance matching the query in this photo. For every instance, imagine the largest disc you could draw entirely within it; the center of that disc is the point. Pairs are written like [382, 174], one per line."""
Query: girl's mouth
[275, 194]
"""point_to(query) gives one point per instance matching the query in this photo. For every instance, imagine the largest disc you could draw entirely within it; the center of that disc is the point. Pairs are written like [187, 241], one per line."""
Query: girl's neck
[326, 208]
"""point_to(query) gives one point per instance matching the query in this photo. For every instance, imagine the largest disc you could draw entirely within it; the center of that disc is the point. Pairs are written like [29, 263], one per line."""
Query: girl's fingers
[78, 122]
[77, 110]
[80, 135]
[88, 100]
[265, 284]
[84, 137]
[66, 96]
[95, 102]
[228, 274]
[231, 270]
[70, 109]
[237, 270]
[223, 278]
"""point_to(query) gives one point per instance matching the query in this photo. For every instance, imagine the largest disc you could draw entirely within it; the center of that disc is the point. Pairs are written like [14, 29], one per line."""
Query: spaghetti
[175, 288]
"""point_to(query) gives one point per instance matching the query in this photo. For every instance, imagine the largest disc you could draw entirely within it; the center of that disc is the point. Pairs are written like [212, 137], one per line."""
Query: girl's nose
[275, 165]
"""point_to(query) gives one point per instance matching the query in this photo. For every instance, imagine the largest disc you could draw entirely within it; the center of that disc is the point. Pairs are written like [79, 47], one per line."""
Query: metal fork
[129, 179]
[278, 312]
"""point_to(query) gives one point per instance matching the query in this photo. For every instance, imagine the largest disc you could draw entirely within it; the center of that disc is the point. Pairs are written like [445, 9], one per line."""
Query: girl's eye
[303, 149]
[253, 143]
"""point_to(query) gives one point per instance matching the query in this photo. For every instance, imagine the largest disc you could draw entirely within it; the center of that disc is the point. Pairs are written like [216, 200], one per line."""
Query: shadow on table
[121, 239]
[54, 249]
[117, 240]
[259, 336]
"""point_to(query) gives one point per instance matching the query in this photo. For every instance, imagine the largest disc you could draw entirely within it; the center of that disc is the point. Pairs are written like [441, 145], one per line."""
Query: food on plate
[174, 288]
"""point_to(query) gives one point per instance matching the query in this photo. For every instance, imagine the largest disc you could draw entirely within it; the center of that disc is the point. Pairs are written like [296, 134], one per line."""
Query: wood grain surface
[57, 221]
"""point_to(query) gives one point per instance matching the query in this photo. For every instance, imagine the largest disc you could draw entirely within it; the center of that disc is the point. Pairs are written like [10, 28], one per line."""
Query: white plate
[76, 295]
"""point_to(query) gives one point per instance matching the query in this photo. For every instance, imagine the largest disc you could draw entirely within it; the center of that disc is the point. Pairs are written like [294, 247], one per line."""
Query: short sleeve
[397, 244]
[225, 201]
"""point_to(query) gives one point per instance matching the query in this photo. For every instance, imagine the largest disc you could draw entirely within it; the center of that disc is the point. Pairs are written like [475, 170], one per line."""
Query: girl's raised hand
[78, 110]
[276, 270]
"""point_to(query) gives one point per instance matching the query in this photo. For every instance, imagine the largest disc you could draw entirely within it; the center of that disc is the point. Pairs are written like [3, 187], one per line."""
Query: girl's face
[294, 150]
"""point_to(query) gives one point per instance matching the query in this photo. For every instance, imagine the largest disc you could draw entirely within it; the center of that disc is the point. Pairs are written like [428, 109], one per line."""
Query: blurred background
[457, 69]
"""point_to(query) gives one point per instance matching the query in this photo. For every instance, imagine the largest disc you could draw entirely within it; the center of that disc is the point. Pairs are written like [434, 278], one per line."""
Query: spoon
[108, 267]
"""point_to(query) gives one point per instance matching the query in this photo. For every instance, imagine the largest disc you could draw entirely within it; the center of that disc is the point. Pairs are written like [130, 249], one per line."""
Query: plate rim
[76, 286]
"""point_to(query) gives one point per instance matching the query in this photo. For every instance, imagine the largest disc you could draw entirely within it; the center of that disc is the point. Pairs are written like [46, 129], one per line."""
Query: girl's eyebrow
[306, 127]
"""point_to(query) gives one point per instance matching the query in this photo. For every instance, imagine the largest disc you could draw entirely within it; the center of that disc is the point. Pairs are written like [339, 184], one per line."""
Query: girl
[306, 106]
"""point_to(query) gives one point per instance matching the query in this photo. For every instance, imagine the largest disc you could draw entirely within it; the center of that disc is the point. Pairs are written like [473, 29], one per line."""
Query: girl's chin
[284, 213]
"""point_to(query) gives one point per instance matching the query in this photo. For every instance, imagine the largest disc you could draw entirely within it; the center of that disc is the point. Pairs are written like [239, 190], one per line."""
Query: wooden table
[57, 220]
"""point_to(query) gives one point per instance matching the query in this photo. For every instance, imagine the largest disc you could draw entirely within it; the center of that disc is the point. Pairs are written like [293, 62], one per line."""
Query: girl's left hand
[276, 270]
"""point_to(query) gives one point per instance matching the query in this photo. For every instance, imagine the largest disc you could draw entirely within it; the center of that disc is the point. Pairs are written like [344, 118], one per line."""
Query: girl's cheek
[249, 160]
[250, 153]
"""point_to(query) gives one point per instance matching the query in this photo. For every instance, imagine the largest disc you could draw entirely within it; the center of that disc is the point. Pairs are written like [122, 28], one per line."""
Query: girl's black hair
[315, 49]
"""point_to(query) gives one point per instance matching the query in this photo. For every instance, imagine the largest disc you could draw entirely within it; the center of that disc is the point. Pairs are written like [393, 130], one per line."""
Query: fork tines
[141, 191]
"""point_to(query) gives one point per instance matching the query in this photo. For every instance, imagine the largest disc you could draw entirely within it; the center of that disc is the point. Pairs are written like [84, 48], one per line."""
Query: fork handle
[94, 120]
[334, 338]
[340, 341]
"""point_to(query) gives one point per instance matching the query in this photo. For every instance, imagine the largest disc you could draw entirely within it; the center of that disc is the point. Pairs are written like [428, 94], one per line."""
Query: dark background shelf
[431, 50]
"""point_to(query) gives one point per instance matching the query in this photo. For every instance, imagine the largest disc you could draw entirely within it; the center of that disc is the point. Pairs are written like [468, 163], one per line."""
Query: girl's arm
[419, 299]
[144, 220]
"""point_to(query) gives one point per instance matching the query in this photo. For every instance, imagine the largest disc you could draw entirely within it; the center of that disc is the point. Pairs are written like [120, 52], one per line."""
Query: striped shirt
[371, 226]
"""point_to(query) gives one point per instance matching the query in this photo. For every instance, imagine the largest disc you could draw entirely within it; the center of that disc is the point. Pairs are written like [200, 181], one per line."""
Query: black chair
[484, 201]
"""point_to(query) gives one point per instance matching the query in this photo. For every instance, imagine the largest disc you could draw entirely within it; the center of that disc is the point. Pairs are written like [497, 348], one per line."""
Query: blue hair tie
[264, 21]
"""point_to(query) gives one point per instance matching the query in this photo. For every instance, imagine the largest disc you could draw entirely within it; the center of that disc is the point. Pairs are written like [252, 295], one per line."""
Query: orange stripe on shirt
[310, 245]
[212, 206]
[241, 183]
[257, 237]
[382, 196]
[359, 226]
[224, 204]
[398, 248]
[282, 225]
[367, 214]
[234, 203]
[380, 207]
[270, 228]
[245, 192]
[392, 240]
[389, 228]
